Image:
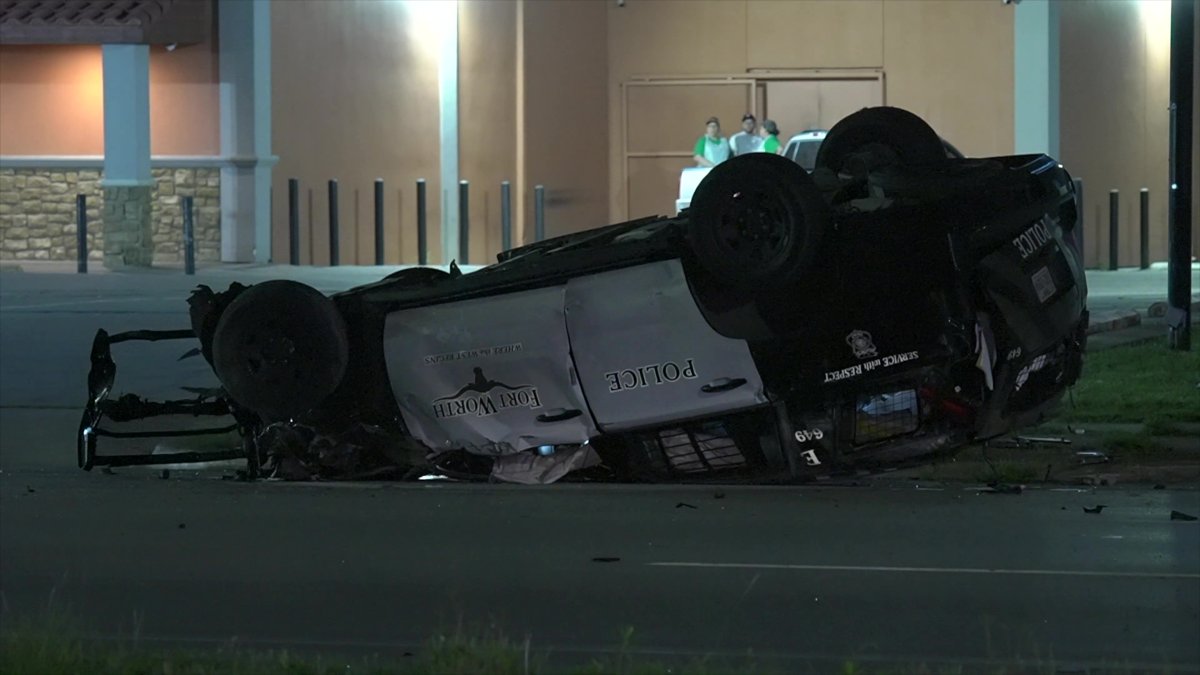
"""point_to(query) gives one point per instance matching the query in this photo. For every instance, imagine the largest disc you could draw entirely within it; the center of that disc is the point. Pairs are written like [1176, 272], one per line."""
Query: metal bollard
[81, 233]
[505, 216]
[422, 235]
[539, 213]
[294, 220]
[464, 221]
[378, 221]
[334, 238]
[1145, 227]
[1081, 221]
[1114, 223]
[189, 238]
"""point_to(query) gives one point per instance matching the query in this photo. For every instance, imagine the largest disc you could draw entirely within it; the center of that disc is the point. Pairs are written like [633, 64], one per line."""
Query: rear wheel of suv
[756, 219]
[880, 136]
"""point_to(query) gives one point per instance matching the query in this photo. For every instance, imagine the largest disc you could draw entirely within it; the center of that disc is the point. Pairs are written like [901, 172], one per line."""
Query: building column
[447, 27]
[127, 184]
[1036, 77]
[244, 32]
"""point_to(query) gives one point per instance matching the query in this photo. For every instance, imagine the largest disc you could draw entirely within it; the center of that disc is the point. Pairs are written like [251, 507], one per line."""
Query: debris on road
[1096, 509]
[606, 559]
[1092, 457]
[684, 505]
[1002, 489]
[1180, 515]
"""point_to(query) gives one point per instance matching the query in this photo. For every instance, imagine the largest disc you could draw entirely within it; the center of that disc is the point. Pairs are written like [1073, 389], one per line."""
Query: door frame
[750, 79]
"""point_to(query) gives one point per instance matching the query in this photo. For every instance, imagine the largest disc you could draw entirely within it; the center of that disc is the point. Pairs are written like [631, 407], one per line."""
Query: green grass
[52, 644]
[1128, 444]
[1145, 383]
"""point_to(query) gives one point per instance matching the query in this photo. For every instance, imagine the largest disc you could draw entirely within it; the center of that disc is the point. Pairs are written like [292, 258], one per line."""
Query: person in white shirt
[746, 140]
[712, 148]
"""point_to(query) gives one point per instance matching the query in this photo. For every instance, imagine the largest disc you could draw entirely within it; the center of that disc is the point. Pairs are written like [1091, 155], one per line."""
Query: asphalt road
[801, 576]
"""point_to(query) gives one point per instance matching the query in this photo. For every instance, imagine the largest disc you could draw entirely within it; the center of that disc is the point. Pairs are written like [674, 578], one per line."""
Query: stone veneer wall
[37, 213]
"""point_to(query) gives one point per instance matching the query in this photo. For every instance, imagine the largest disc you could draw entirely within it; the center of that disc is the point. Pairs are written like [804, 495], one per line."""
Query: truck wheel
[880, 135]
[280, 349]
[756, 219]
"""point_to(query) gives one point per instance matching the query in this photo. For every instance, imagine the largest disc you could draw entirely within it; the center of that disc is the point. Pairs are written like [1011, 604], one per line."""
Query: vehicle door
[491, 375]
[645, 354]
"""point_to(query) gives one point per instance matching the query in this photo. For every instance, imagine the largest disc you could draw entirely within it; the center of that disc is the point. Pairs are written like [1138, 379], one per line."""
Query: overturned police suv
[891, 306]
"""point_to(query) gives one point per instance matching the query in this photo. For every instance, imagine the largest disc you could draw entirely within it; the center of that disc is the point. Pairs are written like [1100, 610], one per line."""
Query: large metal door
[645, 355]
[490, 375]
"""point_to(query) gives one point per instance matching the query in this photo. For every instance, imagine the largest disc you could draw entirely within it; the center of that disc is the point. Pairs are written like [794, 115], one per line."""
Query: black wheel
[874, 137]
[280, 349]
[756, 219]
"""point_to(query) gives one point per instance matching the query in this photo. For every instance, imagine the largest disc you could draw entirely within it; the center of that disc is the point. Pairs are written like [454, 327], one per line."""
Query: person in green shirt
[712, 148]
[770, 133]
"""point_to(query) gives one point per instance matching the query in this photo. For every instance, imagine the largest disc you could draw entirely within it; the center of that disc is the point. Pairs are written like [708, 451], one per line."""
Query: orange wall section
[52, 100]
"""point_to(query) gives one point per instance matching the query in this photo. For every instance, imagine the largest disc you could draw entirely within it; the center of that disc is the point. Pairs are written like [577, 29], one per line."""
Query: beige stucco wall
[487, 109]
[950, 61]
[354, 97]
[566, 133]
[1115, 93]
[52, 100]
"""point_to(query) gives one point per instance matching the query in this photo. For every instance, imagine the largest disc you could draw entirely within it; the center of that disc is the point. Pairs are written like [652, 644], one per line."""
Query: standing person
[746, 140]
[770, 137]
[711, 148]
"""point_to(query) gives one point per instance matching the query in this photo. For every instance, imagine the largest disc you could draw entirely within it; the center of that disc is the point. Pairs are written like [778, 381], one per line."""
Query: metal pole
[422, 235]
[1081, 223]
[539, 213]
[81, 232]
[378, 221]
[464, 221]
[505, 216]
[1144, 198]
[189, 238]
[1179, 201]
[334, 239]
[1114, 223]
[294, 220]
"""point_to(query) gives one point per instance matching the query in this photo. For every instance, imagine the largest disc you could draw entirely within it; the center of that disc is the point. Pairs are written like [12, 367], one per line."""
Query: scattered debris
[1002, 489]
[1180, 515]
[1096, 509]
[533, 468]
[604, 559]
[183, 526]
[108, 471]
[719, 495]
[1160, 486]
[1029, 441]
[1092, 457]
[684, 505]
[29, 489]
[165, 474]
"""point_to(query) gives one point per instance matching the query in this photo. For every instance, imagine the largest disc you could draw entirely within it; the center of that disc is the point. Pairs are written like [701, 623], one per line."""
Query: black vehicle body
[889, 307]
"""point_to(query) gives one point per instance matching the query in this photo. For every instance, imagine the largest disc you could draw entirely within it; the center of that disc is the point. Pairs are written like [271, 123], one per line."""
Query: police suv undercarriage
[891, 307]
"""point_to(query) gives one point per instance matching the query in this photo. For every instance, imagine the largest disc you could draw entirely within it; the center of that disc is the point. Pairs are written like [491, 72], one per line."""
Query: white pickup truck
[801, 149]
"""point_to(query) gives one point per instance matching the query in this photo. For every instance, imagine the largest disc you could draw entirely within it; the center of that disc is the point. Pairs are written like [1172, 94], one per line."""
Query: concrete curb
[1105, 322]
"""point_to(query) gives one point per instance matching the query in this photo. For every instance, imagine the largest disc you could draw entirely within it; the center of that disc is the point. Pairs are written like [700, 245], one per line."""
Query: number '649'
[806, 435]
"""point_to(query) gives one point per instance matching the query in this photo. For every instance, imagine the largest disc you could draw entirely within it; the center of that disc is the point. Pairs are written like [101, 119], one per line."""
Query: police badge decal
[860, 342]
